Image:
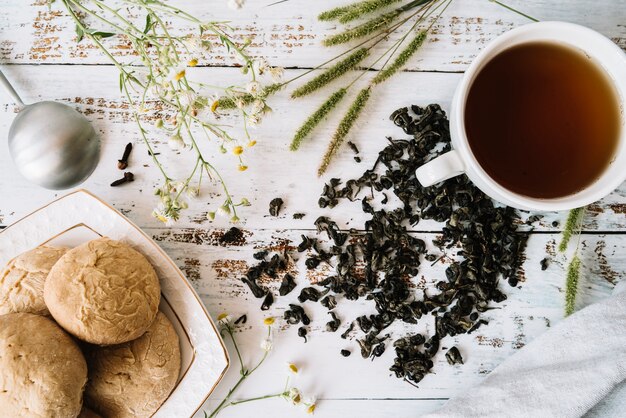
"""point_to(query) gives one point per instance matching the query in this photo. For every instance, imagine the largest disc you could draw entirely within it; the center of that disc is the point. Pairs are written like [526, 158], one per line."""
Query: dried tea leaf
[454, 356]
[275, 205]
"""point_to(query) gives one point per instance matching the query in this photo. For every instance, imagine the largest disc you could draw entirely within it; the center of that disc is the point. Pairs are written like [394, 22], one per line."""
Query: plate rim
[164, 255]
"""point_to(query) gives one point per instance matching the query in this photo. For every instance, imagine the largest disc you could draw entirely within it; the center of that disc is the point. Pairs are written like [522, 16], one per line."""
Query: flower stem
[499, 3]
[258, 398]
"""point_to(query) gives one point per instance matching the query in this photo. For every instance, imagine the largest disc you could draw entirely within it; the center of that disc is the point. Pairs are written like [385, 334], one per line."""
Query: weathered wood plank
[529, 310]
[335, 408]
[274, 171]
[289, 34]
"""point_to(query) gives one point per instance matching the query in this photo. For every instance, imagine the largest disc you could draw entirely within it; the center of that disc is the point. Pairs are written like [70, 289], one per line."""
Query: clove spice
[123, 163]
[128, 177]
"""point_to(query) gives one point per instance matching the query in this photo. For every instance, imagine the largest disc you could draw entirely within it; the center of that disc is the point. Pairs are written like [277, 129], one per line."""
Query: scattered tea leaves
[287, 285]
[377, 263]
[302, 333]
[454, 356]
[275, 206]
[333, 324]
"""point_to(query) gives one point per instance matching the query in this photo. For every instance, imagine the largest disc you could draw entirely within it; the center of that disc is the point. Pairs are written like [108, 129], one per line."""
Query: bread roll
[133, 379]
[42, 370]
[103, 292]
[21, 282]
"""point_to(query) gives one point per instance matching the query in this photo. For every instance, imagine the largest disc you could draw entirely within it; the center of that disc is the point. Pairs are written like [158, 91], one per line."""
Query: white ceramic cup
[461, 160]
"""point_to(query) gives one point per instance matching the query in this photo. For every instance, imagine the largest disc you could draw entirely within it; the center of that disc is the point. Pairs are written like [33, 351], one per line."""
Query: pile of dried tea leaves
[378, 262]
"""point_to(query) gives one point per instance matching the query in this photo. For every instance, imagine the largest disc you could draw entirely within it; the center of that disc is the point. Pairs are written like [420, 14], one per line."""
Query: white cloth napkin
[577, 368]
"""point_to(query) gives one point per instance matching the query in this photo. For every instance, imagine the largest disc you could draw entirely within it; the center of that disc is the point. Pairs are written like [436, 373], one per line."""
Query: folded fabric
[576, 368]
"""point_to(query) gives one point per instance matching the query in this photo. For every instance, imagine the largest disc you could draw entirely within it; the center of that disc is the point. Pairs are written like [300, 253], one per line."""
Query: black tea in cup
[543, 119]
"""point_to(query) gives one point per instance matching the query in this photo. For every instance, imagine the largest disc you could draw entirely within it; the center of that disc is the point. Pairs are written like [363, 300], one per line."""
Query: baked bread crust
[133, 379]
[22, 280]
[43, 372]
[103, 292]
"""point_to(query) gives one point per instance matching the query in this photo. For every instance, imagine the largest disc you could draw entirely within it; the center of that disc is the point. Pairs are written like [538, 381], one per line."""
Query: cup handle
[441, 168]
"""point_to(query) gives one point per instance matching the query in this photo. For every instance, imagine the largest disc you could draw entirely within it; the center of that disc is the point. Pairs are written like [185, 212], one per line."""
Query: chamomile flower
[223, 319]
[292, 368]
[176, 72]
[223, 211]
[176, 142]
[260, 66]
[253, 88]
[310, 408]
[269, 321]
[258, 106]
[294, 396]
[276, 73]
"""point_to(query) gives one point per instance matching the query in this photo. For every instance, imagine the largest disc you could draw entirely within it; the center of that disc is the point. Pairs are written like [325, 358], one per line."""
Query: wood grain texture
[290, 35]
[46, 64]
[274, 170]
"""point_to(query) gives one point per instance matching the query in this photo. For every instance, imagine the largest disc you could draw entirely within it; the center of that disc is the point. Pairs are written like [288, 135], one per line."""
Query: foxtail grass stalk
[402, 58]
[372, 25]
[334, 13]
[362, 30]
[363, 8]
[571, 285]
[332, 73]
[316, 118]
[573, 224]
[344, 128]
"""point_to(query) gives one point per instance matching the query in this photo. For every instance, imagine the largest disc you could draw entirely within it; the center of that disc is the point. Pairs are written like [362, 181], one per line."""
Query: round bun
[135, 378]
[43, 370]
[103, 292]
[22, 281]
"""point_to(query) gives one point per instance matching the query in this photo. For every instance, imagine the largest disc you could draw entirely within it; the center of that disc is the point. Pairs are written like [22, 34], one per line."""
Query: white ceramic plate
[80, 217]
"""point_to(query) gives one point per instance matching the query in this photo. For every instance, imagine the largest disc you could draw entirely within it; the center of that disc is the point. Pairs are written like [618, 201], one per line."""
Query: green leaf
[148, 23]
[102, 35]
[79, 34]
[121, 82]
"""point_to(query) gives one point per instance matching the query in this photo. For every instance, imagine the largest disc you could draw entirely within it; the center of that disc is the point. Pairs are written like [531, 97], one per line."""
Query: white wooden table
[40, 56]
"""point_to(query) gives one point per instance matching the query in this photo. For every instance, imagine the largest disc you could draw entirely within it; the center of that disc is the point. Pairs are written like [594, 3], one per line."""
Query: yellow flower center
[252, 143]
[310, 409]
[192, 62]
[293, 368]
[243, 167]
[215, 105]
[238, 150]
[222, 316]
[268, 321]
[179, 75]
